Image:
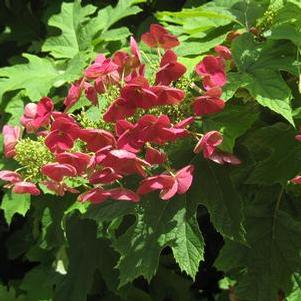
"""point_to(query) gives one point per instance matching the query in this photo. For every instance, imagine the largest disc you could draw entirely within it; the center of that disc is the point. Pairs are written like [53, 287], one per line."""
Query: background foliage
[237, 227]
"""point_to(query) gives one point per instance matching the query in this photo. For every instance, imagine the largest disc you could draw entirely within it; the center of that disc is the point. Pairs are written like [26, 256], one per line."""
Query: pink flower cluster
[135, 145]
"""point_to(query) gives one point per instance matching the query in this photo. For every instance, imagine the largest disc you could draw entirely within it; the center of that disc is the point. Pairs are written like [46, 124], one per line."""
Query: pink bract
[168, 184]
[11, 135]
[170, 70]
[78, 160]
[212, 70]
[154, 156]
[25, 187]
[10, 176]
[99, 195]
[223, 52]
[57, 171]
[208, 143]
[158, 36]
[96, 139]
[209, 103]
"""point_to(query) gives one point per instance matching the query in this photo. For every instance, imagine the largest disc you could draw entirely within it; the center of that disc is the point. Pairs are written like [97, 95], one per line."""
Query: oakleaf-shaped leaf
[81, 32]
[70, 21]
[214, 189]
[160, 224]
[124, 8]
[36, 77]
[259, 65]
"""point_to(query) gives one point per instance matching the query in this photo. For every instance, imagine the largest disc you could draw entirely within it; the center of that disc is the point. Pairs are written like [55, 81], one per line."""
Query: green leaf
[285, 32]
[269, 89]
[124, 8]
[86, 254]
[15, 203]
[273, 255]
[259, 65]
[244, 13]
[277, 153]
[233, 122]
[109, 210]
[295, 295]
[287, 23]
[73, 69]
[188, 48]
[15, 108]
[70, 22]
[196, 20]
[160, 224]
[115, 34]
[80, 32]
[36, 77]
[234, 81]
[213, 188]
[31, 283]
[167, 284]
[10, 295]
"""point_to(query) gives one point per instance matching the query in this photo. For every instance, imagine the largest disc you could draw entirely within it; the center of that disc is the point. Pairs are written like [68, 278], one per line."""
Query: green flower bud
[32, 155]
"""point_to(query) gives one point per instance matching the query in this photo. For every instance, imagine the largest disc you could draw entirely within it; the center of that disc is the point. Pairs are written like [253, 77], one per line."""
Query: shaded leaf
[233, 122]
[86, 254]
[277, 152]
[159, 224]
[15, 203]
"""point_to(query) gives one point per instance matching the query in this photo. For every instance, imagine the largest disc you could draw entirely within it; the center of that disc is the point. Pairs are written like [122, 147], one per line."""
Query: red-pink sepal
[105, 176]
[170, 70]
[10, 176]
[168, 95]
[37, 115]
[57, 171]
[125, 162]
[91, 93]
[11, 135]
[59, 188]
[128, 62]
[80, 161]
[154, 156]
[168, 184]
[223, 52]
[59, 142]
[208, 143]
[138, 94]
[209, 103]
[158, 36]
[224, 158]
[25, 187]
[96, 139]
[296, 179]
[121, 126]
[99, 195]
[100, 68]
[74, 93]
[185, 122]
[119, 109]
[212, 69]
